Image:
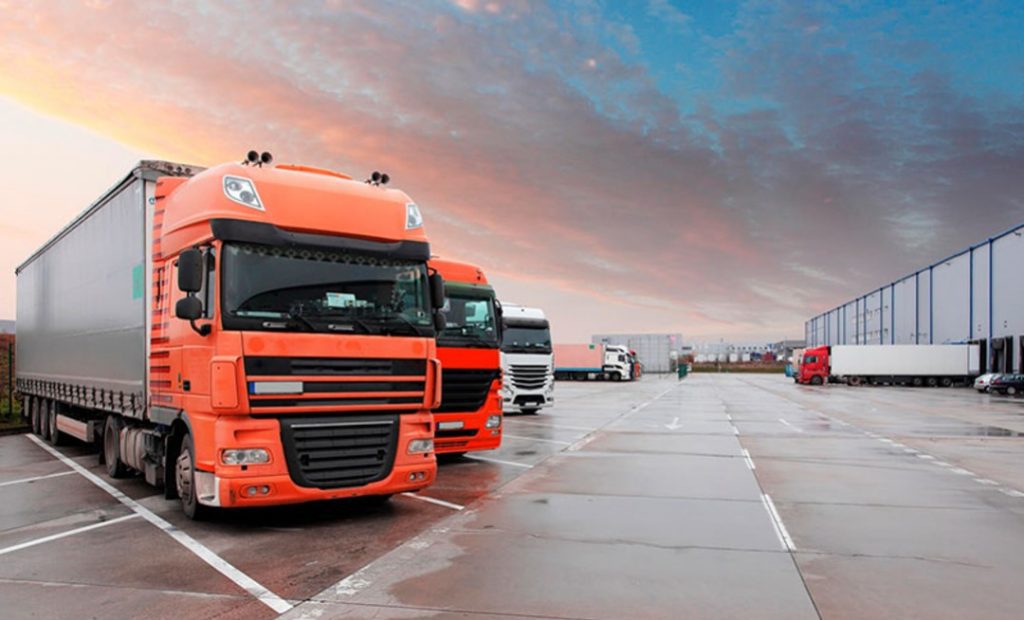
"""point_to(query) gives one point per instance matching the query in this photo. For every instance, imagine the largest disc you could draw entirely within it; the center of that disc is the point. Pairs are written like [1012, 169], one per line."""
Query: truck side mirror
[190, 272]
[439, 322]
[188, 308]
[437, 291]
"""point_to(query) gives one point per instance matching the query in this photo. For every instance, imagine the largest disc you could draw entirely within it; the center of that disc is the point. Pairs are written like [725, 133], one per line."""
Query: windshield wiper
[404, 322]
[298, 318]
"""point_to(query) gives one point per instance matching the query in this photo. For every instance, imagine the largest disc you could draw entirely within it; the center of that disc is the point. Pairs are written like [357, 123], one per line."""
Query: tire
[34, 415]
[44, 419]
[855, 381]
[185, 482]
[946, 382]
[1012, 391]
[112, 448]
[932, 381]
[56, 437]
[816, 380]
[917, 382]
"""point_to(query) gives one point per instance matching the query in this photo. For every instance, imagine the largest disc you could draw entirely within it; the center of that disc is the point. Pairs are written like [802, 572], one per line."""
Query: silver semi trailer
[82, 313]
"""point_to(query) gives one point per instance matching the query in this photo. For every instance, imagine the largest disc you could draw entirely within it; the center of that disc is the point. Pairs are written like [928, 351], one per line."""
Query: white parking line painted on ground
[749, 461]
[592, 435]
[203, 552]
[960, 471]
[34, 478]
[523, 437]
[517, 422]
[777, 524]
[498, 461]
[79, 530]
[783, 420]
[434, 500]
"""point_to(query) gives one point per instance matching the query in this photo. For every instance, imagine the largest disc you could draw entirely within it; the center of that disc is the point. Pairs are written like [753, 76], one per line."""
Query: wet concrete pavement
[723, 496]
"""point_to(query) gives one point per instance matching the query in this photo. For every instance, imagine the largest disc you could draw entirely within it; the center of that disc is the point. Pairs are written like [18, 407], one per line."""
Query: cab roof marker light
[242, 191]
[413, 217]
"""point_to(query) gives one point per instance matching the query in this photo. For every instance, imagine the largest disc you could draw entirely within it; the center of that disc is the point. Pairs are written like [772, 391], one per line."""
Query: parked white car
[984, 382]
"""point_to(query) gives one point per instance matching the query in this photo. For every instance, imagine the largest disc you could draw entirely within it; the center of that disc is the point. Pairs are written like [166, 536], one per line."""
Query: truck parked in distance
[469, 416]
[916, 365]
[240, 336]
[594, 362]
[526, 360]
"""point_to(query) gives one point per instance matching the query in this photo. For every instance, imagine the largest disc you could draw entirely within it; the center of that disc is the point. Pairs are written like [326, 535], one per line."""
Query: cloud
[555, 161]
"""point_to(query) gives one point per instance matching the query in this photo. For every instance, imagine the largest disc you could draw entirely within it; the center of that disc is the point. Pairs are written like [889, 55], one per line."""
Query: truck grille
[528, 377]
[333, 383]
[464, 390]
[339, 451]
[332, 366]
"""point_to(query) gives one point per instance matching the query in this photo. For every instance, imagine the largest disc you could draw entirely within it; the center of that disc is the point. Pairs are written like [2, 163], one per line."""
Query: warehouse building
[657, 352]
[975, 296]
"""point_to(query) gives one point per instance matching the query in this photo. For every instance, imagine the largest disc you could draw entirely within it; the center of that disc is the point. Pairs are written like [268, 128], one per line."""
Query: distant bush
[741, 367]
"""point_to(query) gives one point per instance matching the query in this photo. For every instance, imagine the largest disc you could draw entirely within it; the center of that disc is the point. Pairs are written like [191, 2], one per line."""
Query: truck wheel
[34, 414]
[44, 418]
[853, 381]
[185, 482]
[917, 382]
[946, 382]
[56, 437]
[932, 382]
[112, 448]
[816, 380]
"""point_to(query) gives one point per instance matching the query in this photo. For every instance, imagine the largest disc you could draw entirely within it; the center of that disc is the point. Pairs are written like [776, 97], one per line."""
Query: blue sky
[710, 168]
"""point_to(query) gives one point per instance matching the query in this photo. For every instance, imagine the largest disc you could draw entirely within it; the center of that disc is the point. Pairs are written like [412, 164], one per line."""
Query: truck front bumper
[466, 432]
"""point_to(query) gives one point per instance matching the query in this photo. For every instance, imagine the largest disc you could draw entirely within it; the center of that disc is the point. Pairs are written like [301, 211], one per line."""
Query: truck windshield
[521, 339]
[470, 320]
[306, 289]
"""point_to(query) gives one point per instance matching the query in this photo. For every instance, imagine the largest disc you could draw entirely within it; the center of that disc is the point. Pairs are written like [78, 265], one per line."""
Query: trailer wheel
[44, 419]
[112, 447]
[56, 437]
[932, 382]
[917, 382]
[854, 381]
[33, 414]
[185, 482]
[946, 382]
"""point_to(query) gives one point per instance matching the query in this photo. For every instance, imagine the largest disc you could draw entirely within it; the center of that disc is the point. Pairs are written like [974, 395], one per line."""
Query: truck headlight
[420, 446]
[246, 456]
[242, 191]
[493, 421]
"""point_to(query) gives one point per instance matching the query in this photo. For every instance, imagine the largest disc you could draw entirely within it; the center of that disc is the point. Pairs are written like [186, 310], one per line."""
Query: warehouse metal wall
[973, 295]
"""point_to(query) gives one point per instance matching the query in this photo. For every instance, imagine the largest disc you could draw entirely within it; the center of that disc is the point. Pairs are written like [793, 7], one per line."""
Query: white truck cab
[526, 360]
[618, 364]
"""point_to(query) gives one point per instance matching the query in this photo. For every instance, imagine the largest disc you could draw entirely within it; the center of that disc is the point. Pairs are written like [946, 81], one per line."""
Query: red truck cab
[814, 366]
[469, 415]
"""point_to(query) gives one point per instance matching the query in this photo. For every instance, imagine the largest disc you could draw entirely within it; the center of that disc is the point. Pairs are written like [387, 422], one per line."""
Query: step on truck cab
[469, 416]
[243, 335]
[526, 360]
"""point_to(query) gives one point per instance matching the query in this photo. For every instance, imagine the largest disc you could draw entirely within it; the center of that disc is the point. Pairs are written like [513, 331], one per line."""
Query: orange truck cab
[277, 343]
[469, 416]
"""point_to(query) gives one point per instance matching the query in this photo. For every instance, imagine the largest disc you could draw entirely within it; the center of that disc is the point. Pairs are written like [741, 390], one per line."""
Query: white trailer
[916, 364]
